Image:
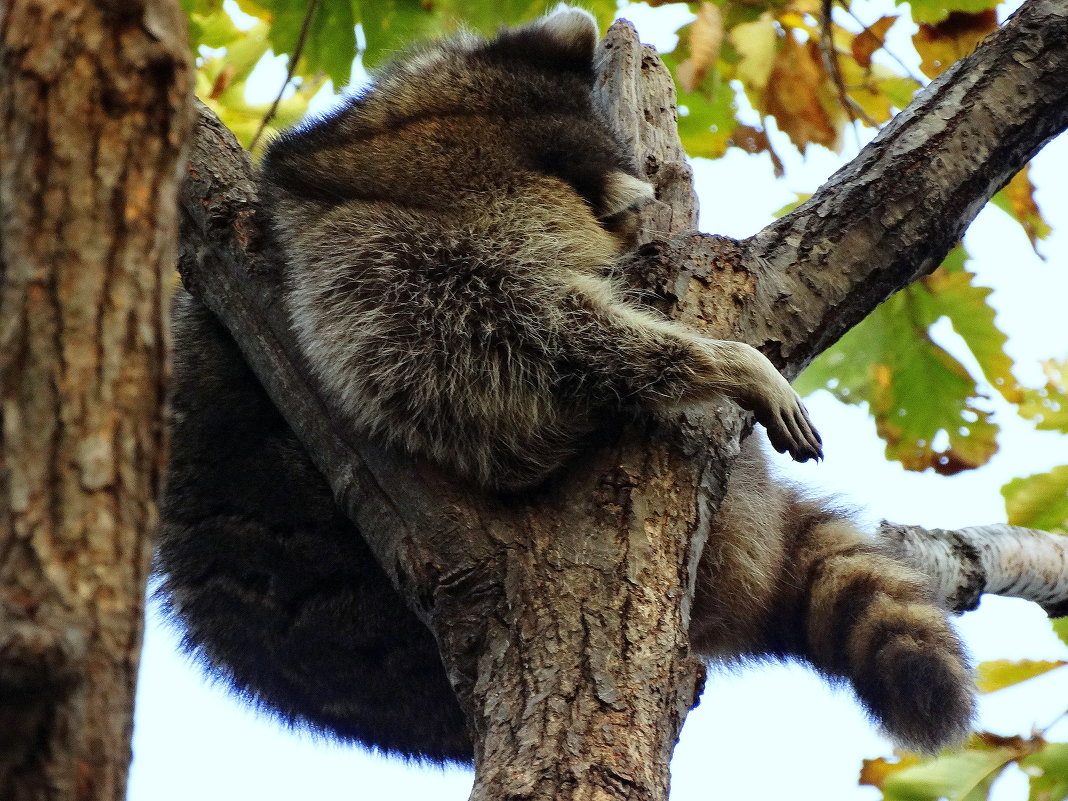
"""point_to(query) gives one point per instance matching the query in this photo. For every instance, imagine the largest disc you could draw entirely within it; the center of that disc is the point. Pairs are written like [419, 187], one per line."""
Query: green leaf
[899, 91]
[932, 11]
[209, 25]
[801, 198]
[1001, 673]
[244, 54]
[914, 388]
[330, 46]
[1060, 628]
[706, 115]
[390, 25]
[1039, 501]
[963, 776]
[706, 129]
[1048, 406]
[1048, 770]
[951, 292]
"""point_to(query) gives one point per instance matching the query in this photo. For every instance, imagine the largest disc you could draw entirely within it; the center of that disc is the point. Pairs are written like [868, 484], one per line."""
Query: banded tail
[871, 619]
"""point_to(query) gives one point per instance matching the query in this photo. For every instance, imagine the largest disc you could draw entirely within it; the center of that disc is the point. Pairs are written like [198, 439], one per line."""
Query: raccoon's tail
[870, 619]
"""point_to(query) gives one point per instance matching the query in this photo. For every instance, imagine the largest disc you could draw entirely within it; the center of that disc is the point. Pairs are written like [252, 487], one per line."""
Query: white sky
[768, 733]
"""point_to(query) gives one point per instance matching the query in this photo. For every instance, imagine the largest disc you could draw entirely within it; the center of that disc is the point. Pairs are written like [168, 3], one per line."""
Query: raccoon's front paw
[781, 412]
[762, 390]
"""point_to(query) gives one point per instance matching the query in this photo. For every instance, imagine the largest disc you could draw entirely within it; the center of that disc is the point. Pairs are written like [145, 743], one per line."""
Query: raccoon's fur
[447, 254]
[448, 236]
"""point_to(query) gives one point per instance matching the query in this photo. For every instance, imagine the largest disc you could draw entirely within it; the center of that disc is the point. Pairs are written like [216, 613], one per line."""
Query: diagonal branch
[894, 212]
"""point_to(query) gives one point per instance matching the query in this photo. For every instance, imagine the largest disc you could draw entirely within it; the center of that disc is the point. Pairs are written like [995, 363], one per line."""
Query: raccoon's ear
[573, 30]
[563, 41]
[623, 191]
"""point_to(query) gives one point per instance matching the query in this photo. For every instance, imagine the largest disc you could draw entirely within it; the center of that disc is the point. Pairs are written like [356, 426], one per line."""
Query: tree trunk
[94, 113]
[562, 618]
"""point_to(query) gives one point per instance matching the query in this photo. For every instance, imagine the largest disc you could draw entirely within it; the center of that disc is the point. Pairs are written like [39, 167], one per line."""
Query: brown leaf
[222, 81]
[753, 140]
[952, 39]
[871, 39]
[706, 39]
[793, 95]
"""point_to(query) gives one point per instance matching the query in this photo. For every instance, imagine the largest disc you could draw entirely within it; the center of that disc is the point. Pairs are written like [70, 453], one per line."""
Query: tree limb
[892, 213]
[997, 559]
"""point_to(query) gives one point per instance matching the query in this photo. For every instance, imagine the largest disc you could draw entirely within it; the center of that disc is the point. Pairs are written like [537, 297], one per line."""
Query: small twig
[305, 26]
[1042, 732]
[830, 61]
[885, 49]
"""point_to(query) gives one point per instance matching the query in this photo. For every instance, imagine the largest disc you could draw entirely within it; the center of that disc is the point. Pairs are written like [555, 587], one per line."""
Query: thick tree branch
[894, 212]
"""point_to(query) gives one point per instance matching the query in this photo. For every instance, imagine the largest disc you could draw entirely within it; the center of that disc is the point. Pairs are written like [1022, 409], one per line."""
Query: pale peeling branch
[998, 559]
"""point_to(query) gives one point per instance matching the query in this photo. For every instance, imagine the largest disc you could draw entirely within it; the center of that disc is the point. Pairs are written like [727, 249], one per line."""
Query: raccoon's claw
[790, 430]
[745, 374]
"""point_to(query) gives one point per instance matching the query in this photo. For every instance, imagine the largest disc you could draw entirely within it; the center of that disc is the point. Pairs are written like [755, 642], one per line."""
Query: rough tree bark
[562, 619]
[94, 114]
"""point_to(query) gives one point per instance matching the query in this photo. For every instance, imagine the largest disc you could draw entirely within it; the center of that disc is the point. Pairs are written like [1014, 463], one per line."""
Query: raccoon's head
[583, 151]
[537, 78]
[562, 42]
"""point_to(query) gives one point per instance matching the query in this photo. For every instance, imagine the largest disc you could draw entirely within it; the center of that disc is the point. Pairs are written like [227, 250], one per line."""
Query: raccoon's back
[445, 330]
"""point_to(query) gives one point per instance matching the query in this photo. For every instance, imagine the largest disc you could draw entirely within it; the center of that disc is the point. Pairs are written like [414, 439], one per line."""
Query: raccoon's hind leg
[864, 616]
[661, 363]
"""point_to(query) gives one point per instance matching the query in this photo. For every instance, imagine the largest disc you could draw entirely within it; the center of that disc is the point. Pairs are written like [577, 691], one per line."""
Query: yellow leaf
[793, 19]
[756, 44]
[875, 772]
[1001, 673]
[952, 39]
[706, 39]
[863, 88]
[898, 90]
[1020, 193]
[808, 7]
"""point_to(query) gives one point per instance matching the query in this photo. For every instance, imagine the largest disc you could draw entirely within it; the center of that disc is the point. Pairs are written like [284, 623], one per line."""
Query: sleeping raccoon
[449, 236]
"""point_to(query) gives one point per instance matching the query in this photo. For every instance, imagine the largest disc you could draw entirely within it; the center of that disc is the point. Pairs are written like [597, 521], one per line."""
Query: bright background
[769, 732]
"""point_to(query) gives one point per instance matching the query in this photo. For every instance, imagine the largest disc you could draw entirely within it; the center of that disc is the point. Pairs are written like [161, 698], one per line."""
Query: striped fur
[448, 237]
[788, 577]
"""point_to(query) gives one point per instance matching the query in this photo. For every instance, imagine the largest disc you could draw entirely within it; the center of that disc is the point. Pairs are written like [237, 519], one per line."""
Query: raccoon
[450, 236]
